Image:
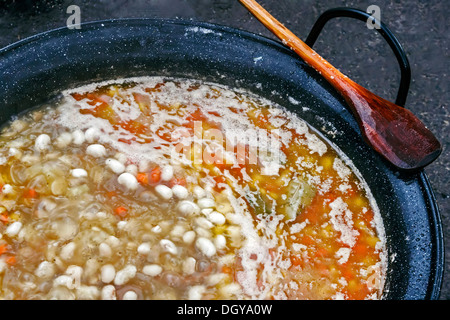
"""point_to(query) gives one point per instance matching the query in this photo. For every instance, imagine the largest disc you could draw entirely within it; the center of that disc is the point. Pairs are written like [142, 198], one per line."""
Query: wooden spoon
[391, 130]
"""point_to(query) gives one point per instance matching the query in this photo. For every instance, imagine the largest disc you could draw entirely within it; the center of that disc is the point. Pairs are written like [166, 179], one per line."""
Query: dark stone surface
[420, 25]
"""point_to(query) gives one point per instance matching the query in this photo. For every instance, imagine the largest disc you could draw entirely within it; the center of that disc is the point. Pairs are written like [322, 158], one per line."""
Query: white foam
[260, 235]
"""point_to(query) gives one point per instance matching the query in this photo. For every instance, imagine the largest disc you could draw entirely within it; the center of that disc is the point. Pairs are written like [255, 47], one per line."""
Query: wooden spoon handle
[394, 132]
[333, 75]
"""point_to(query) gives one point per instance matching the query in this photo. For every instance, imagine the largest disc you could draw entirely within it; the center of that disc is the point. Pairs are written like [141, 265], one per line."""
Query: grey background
[420, 25]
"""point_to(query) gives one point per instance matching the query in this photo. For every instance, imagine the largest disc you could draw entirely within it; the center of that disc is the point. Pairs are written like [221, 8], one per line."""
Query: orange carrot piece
[220, 179]
[4, 218]
[348, 274]
[30, 193]
[227, 269]
[359, 293]
[321, 252]
[296, 261]
[111, 194]
[368, 217]
[155, 175]
[142, 178]
[361, 250]
[3, 248]
[307, 240]
[177, 181]
[11, 260]
[121, 211]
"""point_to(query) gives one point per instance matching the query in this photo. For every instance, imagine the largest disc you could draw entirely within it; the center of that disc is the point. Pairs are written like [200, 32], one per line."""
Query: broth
[161, 188]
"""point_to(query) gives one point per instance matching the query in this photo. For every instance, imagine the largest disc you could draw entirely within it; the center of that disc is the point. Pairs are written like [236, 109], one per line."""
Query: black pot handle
[383, 30]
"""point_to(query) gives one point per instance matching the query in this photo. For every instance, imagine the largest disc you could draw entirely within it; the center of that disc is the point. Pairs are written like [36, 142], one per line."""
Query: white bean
[231, 289]
[164, 192]
[68, 251]
[180, 192]
[168, 246]
[132, 168]
[128, 180]
[144, 248]
[64, 140]
[205, 246]
[188, 237]
[217, 218]
[130, 295]
[87, 293]
[199, 192]
[78, 173]
[157, 229]
[220, 241]
[109, 292]
[7, 189]
[101, 215]
[122, 157]
[125, 275]
[108, 273]
[63, 280]
[215, 278]
[121, 225]
[202, 232]
[204, 223]
[207, 211]
[92, 134]
[96, 150]
[45, 270]
[14, 152]
[196, 292]
[42, 142]
[177, 231]
[113, 241]
[206, 203]
[187, 208]
[75, 273]
[13, 229]
[152, 270]
[115, 165]
[78, 137]
[189, 265]
[167, 173]
[104, 250]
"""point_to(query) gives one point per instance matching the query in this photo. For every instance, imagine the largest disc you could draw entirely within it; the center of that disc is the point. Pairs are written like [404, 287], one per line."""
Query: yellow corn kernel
[334, 272]
[176, 105]
[372, 241]
[279, 231]
[327, 232]
[358, 201]
[352, 285]
[369, 261]
[274, 195]
[112, 91]
[219, 229]
[326, 162]
[14, 216]
[142, 106]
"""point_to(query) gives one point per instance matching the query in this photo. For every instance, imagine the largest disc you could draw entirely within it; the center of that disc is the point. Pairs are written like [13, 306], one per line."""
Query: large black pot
[38, 68]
